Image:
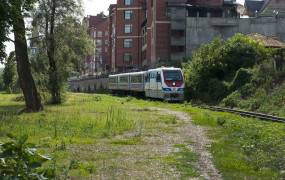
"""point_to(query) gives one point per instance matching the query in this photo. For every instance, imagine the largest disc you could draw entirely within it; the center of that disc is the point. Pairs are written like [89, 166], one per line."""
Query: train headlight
[166, 89]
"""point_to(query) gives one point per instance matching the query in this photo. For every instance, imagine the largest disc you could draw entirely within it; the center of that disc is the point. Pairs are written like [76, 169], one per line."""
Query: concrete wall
[203, 30]
[89, 85]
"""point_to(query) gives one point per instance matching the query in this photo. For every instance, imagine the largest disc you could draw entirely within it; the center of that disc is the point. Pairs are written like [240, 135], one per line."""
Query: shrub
[242, 77]
[220, 60]
[232, 100]
[20, 160]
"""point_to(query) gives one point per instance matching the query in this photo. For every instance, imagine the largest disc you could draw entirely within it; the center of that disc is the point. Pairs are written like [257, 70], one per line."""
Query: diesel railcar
[161, 83]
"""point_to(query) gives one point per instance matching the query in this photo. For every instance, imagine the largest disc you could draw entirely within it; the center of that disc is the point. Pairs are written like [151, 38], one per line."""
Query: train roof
[164, 68]
[142, 72]
[131, 73]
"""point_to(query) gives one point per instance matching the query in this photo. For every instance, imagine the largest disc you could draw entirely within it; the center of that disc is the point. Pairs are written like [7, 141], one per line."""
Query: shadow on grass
[10, 109]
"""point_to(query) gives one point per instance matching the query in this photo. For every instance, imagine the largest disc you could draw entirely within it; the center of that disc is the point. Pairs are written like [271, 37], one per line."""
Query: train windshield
[172, 75]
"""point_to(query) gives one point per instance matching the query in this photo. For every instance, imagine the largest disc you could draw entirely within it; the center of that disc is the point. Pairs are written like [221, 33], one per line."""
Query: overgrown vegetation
[238, 72]
[20, 160]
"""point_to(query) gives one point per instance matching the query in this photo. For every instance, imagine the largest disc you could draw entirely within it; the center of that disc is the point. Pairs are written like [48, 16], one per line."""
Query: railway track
[247, 114]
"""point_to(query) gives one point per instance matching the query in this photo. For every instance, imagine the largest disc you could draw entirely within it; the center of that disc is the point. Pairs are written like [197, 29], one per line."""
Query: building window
[99, 34]
[106, 42]
[128, 58]
[129, 2]
[99, 42]
[128, 14]
[94, 34]
[128, 43]
[128, 28]
[106, 33]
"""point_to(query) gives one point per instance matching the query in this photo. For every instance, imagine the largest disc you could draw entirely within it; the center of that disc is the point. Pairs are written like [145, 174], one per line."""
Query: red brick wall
[104, 27]
[136, 21]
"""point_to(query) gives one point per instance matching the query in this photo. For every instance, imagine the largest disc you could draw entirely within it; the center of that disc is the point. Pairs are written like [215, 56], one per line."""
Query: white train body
[161, 83]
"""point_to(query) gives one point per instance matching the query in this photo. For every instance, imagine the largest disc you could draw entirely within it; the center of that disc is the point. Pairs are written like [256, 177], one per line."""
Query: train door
[159, 85]
[152, 84]
[147, 84]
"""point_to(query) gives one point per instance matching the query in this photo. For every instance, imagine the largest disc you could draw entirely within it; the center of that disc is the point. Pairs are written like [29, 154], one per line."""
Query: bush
[220, 60]
[242, 77]
[217, 89]
[232, 100]
[20, 160]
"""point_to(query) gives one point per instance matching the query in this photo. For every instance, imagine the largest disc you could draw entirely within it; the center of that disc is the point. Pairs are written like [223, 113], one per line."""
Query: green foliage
[1, 80]
[242, 77]
[9, 73]
[264, 92]
[215, 64]
[20, 160]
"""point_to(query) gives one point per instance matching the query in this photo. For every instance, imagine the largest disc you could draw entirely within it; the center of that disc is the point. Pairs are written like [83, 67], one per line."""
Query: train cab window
[170, 75]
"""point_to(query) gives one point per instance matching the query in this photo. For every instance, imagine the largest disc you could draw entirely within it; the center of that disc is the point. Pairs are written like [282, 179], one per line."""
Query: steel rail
[247, 114]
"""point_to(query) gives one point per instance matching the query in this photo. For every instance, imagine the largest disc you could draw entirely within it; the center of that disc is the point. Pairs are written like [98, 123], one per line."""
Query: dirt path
[147, 157]
[200, 144]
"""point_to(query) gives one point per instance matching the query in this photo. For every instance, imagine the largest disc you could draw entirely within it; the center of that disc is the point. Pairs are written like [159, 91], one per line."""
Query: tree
[12, 15]
[64, 47]
[1, 80]
[9, 74]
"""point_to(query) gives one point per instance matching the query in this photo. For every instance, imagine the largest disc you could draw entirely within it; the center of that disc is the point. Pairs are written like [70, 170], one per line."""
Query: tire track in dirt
[200, 144]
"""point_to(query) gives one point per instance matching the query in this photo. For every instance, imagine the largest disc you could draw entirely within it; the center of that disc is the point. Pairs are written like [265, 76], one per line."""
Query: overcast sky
[91, 7]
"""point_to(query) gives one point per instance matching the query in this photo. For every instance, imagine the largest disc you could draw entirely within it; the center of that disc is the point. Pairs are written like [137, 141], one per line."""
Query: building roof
[253, 6]
[269, 42]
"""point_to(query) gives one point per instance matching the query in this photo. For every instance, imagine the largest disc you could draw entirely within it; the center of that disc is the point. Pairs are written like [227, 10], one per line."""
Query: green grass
[183, 159]
[86, 134]
[87, 138]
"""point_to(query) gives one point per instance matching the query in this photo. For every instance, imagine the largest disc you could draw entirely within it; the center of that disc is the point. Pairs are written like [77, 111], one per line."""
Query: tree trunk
[27, 83]
[53, 71]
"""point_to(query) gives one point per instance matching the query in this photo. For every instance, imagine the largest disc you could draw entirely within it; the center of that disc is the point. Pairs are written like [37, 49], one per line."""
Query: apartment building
[98, 30]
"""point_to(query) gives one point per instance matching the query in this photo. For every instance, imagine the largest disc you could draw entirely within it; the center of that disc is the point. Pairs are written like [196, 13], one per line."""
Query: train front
[173, 84]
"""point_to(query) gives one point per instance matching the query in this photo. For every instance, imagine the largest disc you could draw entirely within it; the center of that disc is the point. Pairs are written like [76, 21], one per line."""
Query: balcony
[177, 56]
[177, 41]
[223, 22]
[178, 25]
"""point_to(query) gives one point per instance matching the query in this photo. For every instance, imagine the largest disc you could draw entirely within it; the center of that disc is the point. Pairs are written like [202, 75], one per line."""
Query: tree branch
[9, 39]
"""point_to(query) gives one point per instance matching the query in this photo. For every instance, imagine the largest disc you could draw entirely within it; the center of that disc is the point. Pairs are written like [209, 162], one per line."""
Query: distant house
[269, 42]
[253, 7]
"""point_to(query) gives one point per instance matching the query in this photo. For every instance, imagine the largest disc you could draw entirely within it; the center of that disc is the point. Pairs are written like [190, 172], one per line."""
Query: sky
[91, 7]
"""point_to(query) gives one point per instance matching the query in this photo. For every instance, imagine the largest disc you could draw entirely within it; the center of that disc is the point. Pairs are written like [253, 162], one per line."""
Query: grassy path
[200, 144]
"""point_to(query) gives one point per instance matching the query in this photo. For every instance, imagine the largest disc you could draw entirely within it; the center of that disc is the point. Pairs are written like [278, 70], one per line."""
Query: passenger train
[161, 83]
